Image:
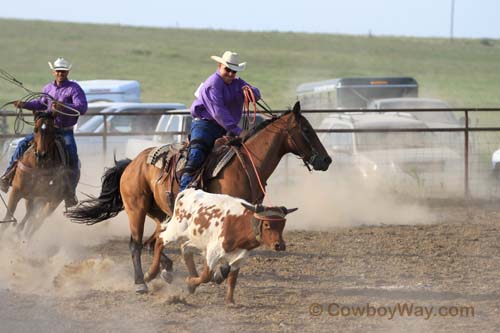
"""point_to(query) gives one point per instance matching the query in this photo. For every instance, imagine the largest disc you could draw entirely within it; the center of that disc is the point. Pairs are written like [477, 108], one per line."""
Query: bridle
[44, 130]
[314, 152]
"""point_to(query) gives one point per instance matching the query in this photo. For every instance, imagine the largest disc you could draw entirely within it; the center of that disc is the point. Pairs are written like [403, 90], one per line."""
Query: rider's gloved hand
[233, 140]
[58, 106]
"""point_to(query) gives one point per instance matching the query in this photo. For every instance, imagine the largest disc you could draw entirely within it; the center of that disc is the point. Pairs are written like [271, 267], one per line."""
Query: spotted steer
[225, 228]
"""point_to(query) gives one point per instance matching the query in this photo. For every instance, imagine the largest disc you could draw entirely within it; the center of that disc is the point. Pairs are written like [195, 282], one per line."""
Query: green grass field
[171, 63]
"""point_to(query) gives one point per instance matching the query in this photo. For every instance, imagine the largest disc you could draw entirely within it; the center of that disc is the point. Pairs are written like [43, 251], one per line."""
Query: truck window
[174, 124]
[143, 123]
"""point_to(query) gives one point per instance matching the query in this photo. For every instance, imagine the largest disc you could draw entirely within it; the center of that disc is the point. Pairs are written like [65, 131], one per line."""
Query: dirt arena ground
[372, 263]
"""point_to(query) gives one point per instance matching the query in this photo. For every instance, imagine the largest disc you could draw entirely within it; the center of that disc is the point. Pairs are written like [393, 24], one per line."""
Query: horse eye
[35, 130]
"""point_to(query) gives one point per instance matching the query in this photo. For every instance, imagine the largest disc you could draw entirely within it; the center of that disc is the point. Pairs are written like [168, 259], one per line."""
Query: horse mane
[262, 125]
[42, 115]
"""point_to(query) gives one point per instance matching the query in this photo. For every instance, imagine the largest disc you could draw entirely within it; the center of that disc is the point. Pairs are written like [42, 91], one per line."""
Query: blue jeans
[203, 136]
[70, 144]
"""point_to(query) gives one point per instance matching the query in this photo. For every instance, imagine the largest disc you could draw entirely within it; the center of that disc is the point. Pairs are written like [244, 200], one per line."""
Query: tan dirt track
[451, 265]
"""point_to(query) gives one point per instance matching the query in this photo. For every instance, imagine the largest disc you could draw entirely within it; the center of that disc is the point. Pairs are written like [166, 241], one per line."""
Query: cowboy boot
[7, 178]
[4, 183]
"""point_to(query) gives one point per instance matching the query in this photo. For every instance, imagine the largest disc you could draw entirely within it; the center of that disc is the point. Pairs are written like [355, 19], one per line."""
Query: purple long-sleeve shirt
[221, 102]
[69, 93]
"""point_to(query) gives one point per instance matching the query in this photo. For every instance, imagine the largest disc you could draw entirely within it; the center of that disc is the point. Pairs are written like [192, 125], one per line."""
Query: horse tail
[108, 204]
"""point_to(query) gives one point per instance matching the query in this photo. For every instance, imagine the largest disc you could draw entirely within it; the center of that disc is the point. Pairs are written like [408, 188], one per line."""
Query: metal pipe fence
[473, 153]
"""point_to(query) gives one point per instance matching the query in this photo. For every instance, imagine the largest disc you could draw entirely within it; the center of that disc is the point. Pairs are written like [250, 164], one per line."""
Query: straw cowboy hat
[60, 64]
[231, 60]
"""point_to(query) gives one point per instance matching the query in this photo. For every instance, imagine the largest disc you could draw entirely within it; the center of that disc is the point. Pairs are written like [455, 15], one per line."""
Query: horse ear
[249, 206]
[288, 211]
[296, 107]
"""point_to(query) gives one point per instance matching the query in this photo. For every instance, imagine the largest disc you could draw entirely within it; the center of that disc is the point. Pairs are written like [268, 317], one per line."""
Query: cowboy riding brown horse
[41, 176]
[134, 186]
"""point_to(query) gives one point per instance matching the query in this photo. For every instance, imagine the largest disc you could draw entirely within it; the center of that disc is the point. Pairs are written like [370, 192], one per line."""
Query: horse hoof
[147, 277]
[168, 277]
[141, 288]
[218, 278]
[191, 287]
[224, 270]
[229, 303]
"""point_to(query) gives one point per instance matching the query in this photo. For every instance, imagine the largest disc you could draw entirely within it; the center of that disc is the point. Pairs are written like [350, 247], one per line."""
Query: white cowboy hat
[231, 60]
[60, 64]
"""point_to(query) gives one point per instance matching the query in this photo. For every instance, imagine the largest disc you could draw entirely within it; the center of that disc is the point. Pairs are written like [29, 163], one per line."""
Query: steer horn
[254, 208]
[287, 211]
[248, 206]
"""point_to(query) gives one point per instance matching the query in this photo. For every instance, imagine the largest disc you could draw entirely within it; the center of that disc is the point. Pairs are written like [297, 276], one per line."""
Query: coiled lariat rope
[249, 98]
[35, 95]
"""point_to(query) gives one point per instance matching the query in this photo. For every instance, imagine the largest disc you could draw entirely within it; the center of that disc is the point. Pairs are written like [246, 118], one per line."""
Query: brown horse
[134, 185]
[40, 178]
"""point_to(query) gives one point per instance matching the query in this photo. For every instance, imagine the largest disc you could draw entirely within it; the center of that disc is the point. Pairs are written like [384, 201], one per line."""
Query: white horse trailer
[111, 90]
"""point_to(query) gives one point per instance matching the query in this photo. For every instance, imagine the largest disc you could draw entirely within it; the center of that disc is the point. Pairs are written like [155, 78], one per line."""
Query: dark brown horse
[133, 186]
[40, 178]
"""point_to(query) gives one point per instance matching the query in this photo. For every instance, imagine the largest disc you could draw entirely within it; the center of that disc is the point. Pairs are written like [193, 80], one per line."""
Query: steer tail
[108, 204]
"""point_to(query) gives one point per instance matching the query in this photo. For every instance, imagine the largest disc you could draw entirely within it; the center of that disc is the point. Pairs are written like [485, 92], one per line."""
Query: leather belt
[65, 128]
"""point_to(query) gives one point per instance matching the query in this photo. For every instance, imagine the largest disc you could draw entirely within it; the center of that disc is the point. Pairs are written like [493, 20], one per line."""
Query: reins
[249, 98]
[255, 170]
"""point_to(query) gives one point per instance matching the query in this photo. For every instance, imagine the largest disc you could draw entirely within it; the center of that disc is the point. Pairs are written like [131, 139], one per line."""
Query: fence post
[105, 135]
[466, 156]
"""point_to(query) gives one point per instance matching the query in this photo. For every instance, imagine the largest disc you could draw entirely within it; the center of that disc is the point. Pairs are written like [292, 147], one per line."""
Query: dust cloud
[58, 259]
[329, 199]
[61, 258]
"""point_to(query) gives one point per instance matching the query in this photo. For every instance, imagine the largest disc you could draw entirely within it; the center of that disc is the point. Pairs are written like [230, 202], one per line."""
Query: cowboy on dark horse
[69, 101]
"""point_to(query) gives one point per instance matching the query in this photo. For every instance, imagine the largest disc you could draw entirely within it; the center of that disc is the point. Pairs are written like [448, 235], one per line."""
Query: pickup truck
[440, 118]
[90, 129]
[410, 161]
[171, 129]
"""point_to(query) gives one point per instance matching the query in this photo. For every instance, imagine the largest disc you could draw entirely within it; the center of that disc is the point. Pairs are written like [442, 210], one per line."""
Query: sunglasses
[229, 70]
